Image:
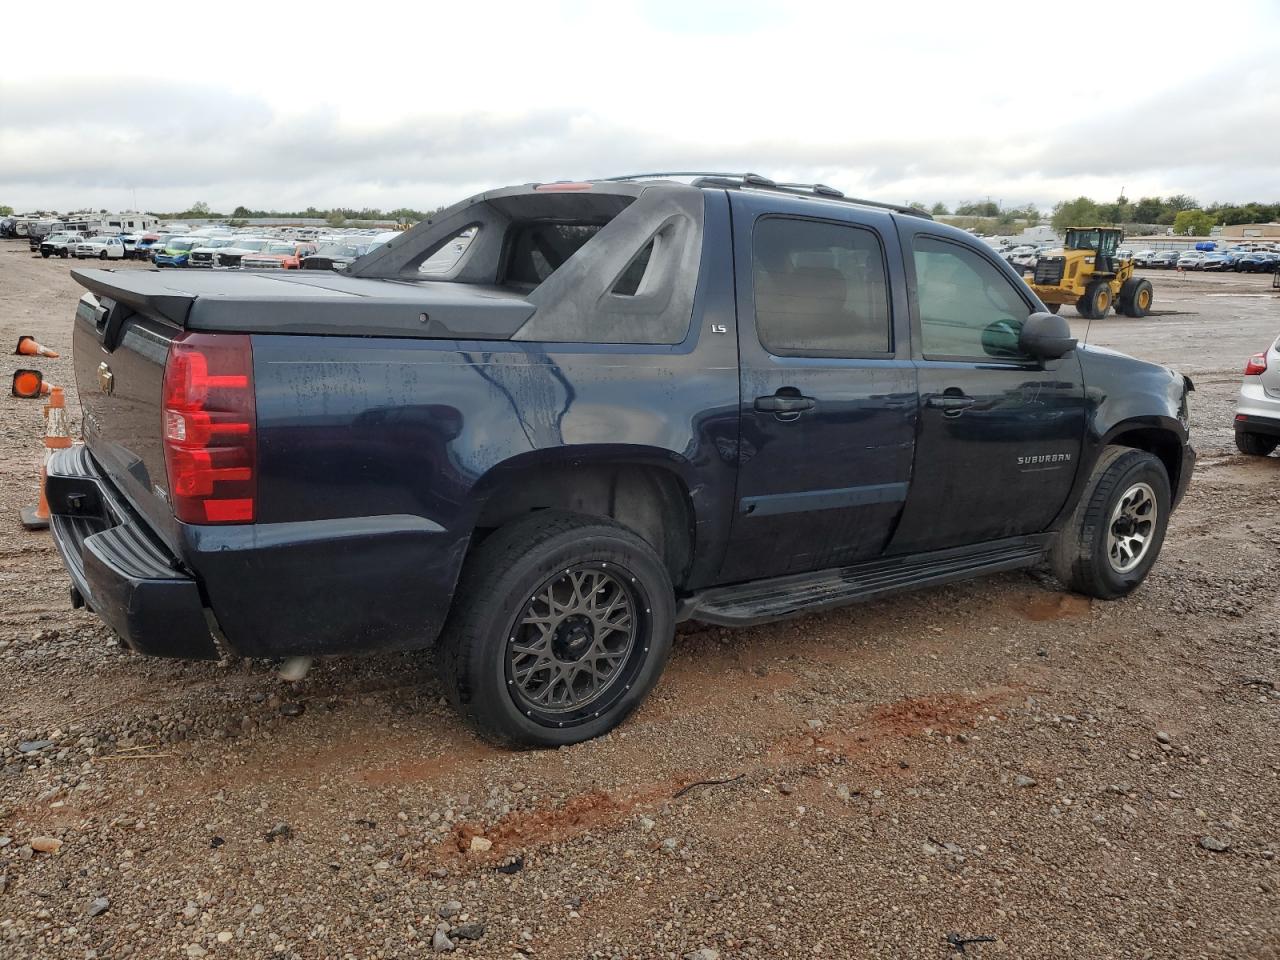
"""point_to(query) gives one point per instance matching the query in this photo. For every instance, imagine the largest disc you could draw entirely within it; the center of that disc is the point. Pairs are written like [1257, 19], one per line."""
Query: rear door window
[821, 289]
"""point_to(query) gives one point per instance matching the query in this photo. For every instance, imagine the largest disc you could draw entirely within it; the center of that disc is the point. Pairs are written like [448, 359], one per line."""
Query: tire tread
[482, 580]
[1072, 556]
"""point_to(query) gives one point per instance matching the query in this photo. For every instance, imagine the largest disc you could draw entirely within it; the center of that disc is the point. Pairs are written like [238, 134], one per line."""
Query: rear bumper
[1256, 405]
[321, 587]
[1265, 426]
[125, 577]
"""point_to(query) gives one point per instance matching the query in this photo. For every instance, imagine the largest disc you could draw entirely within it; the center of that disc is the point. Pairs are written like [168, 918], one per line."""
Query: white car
[1024, 256]
[104, 248]
[202, 256]
[1192, 260]
[1258, 412]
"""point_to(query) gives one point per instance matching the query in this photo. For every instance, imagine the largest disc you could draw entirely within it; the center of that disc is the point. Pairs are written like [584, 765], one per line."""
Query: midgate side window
[820, 289]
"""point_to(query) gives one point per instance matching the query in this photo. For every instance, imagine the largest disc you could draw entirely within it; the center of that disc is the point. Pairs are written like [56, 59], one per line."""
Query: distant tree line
[335, 216]
[1183, 213]
[987, 209]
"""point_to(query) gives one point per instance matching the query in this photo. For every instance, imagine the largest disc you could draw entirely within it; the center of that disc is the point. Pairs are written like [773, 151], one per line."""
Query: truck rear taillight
[210, 428]
[1257, 364]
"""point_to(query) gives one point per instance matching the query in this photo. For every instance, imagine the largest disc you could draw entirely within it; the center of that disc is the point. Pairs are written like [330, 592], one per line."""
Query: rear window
[536, 250]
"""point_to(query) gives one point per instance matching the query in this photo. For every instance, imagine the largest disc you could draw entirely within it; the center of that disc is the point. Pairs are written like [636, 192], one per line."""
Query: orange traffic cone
[29, 384]
[57, 436]
[28, 347]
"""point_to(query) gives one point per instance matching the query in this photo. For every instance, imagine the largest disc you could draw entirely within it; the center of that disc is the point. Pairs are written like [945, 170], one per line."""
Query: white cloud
[419, 104]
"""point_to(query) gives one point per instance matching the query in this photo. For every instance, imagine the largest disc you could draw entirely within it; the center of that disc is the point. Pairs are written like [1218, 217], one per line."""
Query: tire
[102, 255]
[64, 254]
[1053, 307]
[1255, 444]
[1098, 299]
[1083, 558]
[501, 584]
[45, 254]
[1135, 297]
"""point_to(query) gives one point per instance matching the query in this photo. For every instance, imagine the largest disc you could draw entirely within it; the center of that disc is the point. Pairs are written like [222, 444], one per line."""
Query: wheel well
[649, 500]
[1162, 443]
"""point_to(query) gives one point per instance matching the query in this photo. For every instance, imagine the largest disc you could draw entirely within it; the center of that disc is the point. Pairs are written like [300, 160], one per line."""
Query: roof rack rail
[753, 178]
[831, 193]
[735, 181]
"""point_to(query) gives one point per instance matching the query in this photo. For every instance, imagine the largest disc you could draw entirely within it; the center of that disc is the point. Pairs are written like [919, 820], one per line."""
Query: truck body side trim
[809, 500]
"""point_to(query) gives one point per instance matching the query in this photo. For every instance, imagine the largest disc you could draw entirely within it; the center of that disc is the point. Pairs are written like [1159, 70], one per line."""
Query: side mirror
[1046, 336]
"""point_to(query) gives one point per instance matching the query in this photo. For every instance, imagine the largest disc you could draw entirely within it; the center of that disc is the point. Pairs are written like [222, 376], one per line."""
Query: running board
[762, 601]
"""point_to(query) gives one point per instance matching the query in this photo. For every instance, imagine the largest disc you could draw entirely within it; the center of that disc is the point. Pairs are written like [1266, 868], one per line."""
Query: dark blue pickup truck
[542, 428]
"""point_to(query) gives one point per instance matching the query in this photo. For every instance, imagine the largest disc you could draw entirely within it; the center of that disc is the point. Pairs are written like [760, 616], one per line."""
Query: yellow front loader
[1089, 274]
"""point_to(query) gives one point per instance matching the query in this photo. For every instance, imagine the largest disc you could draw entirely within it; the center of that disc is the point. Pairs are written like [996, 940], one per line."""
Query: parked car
[336, 255]
[147, 244]
[176, 251]
[228, 258]
[1143, 258]
[37, 230]
[1258, 410]
[104, 248]
[1217, 261]
[1164, 260]
[623, 405]
[1260, 261]
[1023, 257]
[278, 255]
[203, 254]
[59, 244]
[1191, 260]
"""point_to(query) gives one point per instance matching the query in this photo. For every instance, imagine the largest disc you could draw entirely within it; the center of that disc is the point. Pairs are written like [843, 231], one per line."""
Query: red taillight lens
[210, 428]
[1257, 364]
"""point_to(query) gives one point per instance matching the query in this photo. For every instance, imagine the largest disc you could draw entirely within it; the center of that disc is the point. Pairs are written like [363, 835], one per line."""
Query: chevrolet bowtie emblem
[106, 379]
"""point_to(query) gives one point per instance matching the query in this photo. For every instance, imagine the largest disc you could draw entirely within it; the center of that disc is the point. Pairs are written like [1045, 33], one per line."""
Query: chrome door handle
[783, 404]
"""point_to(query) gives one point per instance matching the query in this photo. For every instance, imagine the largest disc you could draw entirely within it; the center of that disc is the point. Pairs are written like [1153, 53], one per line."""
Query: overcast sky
[287, 105]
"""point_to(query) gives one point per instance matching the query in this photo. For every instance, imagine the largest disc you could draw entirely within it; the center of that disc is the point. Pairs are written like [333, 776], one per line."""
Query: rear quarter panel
[376, 456]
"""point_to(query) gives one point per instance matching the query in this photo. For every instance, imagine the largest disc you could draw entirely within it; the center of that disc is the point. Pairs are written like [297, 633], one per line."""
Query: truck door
[828, 393]
[1000, 433]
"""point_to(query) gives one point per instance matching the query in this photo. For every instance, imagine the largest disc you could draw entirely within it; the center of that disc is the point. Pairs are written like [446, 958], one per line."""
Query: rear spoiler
[146, 293]
[309, 302]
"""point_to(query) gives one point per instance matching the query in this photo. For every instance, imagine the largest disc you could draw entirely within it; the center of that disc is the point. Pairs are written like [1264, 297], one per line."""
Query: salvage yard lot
[987, 759]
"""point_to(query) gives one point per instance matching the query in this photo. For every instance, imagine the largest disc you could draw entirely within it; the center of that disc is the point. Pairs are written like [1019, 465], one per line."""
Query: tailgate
[119, 351]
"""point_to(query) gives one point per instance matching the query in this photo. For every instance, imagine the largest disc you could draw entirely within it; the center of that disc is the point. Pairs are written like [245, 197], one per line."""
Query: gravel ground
[994, 759]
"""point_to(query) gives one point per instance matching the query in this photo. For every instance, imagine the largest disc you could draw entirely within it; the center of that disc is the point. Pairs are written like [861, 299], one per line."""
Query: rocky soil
[995, 760]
